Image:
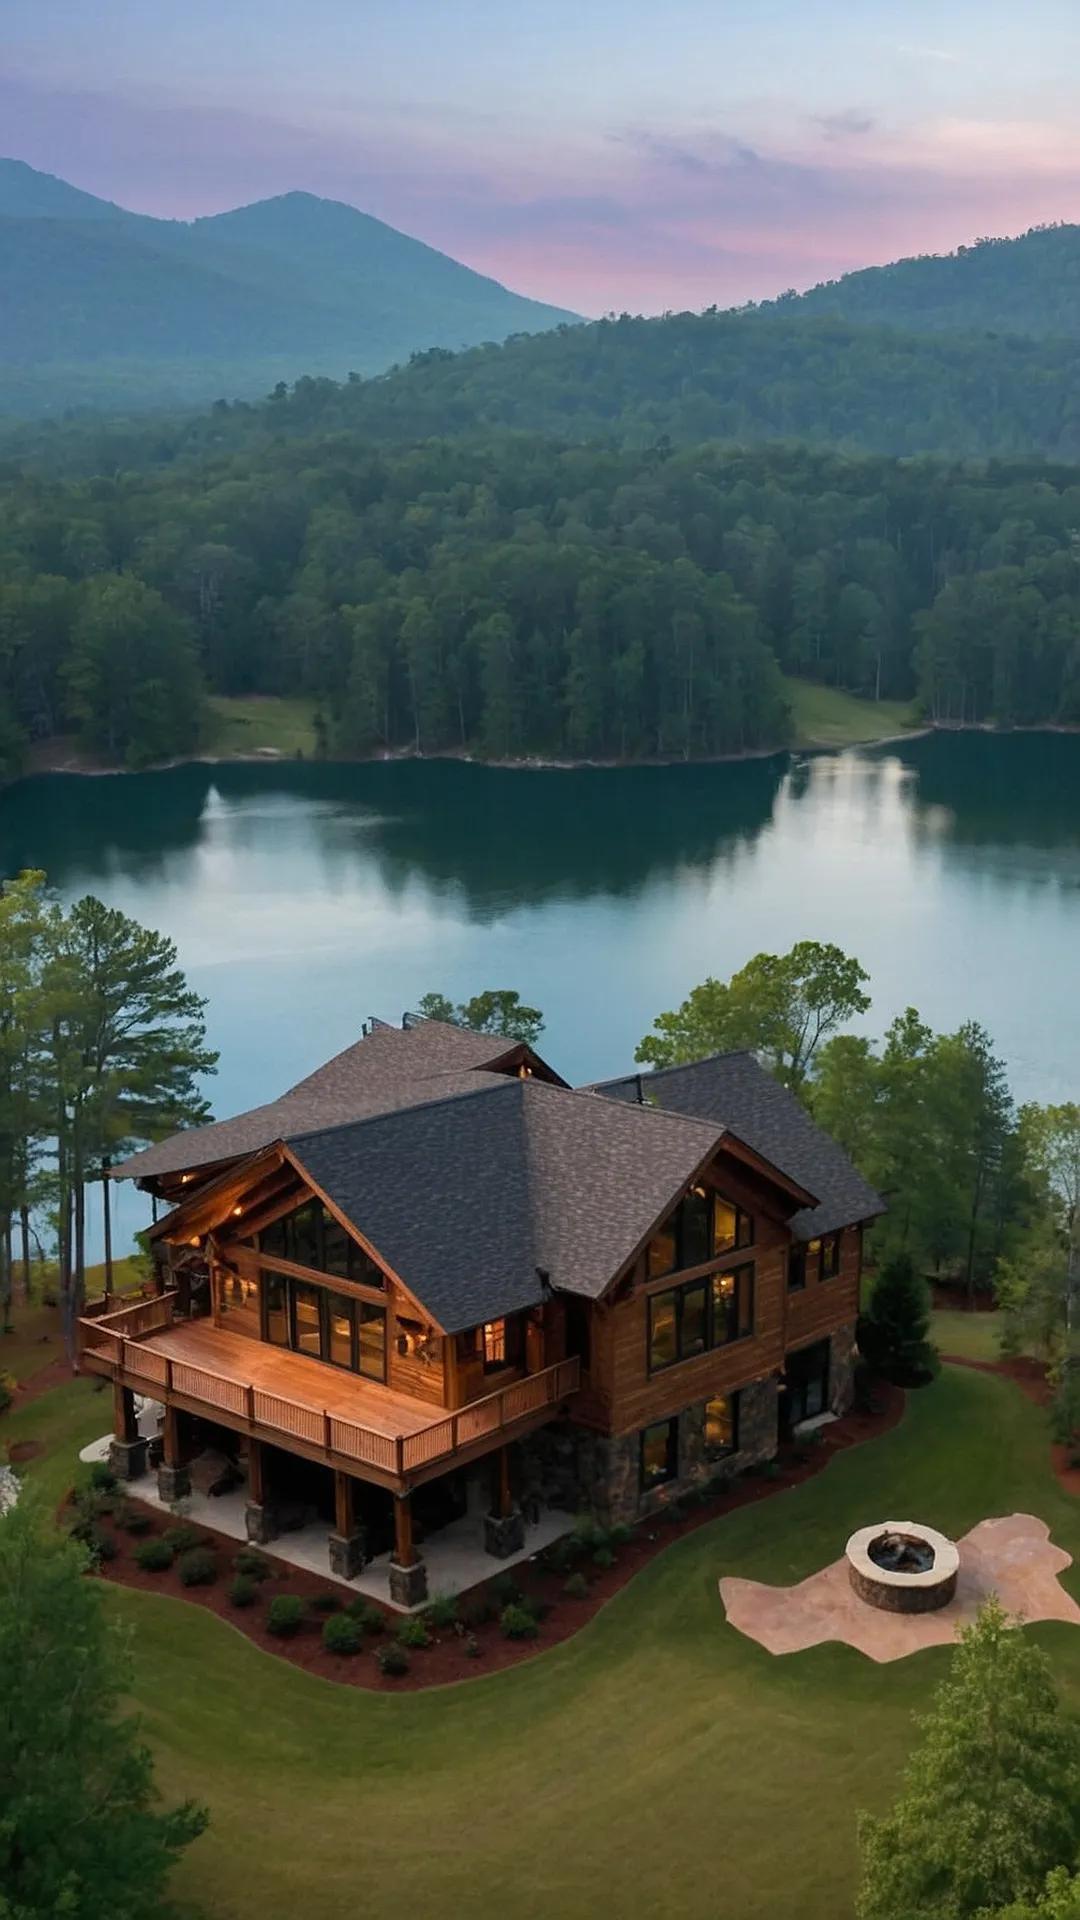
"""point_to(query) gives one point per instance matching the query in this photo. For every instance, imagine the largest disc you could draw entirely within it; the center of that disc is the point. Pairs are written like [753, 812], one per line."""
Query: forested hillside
[1028, 285]
[682, 379]
[102, 306]
[514, 596]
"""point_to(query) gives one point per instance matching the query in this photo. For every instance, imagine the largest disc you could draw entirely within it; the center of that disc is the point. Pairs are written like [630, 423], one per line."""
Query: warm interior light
[195, 1240]
[238, 1210]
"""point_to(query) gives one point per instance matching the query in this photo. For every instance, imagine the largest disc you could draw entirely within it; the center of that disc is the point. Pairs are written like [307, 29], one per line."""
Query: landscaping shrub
[865, 1397]
[413, 1632]
[6, 1396]
[183, 1537]
[392, 1659]
[135, 1520]
[197, 1567]
[538, 1608]
[286, 1615]
[101, 1545]
[327, 1603]
[770, 1469]
[563, 1553]
[341, 1635]
[894, 1332]
[477, 1609]
[518, 1623]
[506, 1591]
[589, 1534]
[603, 1558]
[370, 1617]
[621, 1535]
[472, 1646]
[242, 1591]
[253, 1564]
[153, 1556]
[443, 1611]
[577, 1587]
[102, 1477]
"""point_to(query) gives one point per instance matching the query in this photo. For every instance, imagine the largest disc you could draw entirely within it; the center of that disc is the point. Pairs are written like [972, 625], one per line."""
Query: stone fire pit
[902, 1567]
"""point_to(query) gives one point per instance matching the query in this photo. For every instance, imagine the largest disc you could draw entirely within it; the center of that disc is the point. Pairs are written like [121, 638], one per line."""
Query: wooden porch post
[127, 1452]
[125, 1424]
[503, 1502]
[404, 1551]
[344, 1504]
[256, 1473]
[174, 1478]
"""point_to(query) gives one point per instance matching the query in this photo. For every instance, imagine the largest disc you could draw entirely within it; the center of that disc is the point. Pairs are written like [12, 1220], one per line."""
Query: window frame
[831, 1257]
[361, 1269]
[744, 1293]
[671, 1472]
[713, 1455]
[330, 1301]
[673, 1226]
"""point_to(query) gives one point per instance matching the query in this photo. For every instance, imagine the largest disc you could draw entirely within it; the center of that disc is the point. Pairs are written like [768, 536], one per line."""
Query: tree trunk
[5, 1275]
[24, 1225]
[106, 1198]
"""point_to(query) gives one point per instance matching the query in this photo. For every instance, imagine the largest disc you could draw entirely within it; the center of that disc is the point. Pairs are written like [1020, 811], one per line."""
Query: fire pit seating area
[902, 1567]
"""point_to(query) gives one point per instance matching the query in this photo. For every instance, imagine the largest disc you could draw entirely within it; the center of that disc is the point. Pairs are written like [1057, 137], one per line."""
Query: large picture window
[689, 1320]
[312, 1237]
[703, 1225]
[324, 1325]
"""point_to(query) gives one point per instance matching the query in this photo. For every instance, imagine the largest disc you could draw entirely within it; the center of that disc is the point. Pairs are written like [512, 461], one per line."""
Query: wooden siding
[823, 1306]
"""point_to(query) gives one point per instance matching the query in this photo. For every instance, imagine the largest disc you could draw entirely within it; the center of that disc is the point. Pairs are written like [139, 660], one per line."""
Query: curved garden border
[449, 1658]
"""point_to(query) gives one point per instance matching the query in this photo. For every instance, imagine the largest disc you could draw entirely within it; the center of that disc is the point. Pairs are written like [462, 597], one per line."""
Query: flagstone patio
[1012, 1556]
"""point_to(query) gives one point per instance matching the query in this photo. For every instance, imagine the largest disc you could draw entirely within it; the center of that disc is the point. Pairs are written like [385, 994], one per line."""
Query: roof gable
[733, 1090]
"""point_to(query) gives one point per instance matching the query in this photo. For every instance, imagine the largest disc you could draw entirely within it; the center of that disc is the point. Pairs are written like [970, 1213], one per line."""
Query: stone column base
[173, 1483]
[348, 1551]
[504, 1535]
[408, 1585]
[260, 1524]
[127, 1458]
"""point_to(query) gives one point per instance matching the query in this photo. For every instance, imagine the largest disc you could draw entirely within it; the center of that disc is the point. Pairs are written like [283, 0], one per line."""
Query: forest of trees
[515, 596]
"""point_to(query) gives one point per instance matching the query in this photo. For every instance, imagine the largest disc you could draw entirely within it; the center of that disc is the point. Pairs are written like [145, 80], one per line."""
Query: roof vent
[373, 1025]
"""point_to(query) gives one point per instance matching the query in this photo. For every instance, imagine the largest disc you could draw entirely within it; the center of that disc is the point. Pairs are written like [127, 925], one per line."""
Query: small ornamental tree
[894, 1332]
[498, 1010]
[989, 1803]
[81, 1834]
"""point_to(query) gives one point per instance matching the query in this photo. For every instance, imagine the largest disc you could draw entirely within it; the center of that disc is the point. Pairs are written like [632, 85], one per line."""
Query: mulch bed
[1030, 1376]
[446, 1660]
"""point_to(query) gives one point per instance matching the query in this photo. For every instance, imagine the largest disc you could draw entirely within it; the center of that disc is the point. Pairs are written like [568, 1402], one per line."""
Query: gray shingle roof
[731, 1090]
[389, 1068]
[471, 1197]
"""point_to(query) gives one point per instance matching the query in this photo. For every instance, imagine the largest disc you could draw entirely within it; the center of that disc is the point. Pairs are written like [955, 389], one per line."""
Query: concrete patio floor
[454, 1555]
[1012, 1556]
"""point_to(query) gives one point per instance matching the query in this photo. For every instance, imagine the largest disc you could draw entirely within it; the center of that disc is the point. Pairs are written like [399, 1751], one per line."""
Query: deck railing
[115, 1342]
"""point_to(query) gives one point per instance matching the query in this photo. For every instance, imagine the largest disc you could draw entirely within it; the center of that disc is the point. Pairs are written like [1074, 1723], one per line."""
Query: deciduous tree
[989, 1802]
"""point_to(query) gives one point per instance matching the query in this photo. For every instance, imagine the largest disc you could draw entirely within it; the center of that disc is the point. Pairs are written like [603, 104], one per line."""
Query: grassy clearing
[659, 1763]
[825, 717]
[241, 727]
[970, 1336]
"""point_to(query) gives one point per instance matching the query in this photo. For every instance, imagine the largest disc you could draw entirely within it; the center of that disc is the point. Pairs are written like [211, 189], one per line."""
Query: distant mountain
[99, 305]
[1028, 285]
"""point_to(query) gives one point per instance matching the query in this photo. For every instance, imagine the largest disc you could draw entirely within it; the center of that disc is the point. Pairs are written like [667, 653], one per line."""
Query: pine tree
[894, 1332]
[80, 1834]
[989, 1803]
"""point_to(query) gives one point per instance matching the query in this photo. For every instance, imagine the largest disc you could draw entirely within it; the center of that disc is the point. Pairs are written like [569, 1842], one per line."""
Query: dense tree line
[513, 596]
[1026, 285]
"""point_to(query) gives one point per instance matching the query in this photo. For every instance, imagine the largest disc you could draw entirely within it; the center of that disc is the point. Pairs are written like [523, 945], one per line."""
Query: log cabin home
[433, 1279]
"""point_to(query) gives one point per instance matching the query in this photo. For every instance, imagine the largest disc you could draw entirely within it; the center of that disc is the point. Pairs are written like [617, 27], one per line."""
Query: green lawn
[239, 727]
[657, 1764]
[825, 717]
[969, 1336]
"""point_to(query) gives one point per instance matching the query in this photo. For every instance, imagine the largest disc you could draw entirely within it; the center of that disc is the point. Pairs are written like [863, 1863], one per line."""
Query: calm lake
[304, 897]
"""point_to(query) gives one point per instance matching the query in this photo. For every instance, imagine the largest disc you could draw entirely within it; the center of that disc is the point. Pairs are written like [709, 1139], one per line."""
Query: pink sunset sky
[596, 155]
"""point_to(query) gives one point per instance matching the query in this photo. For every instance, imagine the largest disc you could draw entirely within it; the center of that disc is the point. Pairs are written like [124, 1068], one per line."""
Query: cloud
[848, 124]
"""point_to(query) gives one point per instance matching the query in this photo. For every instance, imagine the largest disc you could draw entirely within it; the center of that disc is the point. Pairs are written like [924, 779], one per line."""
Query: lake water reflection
[304, 897]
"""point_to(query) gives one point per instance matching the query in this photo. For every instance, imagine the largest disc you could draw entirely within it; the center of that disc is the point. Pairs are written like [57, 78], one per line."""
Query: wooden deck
[308, 1407]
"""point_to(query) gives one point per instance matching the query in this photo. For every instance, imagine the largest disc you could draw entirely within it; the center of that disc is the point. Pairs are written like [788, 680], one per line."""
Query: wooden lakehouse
[433, 1279]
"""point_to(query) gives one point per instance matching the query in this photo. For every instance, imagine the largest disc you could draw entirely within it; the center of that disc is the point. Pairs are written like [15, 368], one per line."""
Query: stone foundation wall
[842, 1354]
[578, 1470]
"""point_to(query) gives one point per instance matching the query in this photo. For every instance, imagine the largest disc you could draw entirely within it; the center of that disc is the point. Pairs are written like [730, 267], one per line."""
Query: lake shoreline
[81, 766]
